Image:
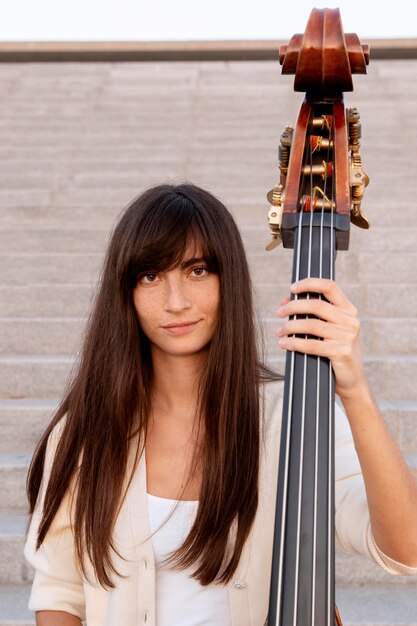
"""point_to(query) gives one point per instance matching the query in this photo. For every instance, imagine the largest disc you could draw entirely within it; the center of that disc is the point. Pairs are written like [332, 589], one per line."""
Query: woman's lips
[181, 328]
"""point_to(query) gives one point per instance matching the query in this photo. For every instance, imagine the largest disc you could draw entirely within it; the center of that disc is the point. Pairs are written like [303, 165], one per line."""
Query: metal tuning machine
[276, 195]
[358, 178]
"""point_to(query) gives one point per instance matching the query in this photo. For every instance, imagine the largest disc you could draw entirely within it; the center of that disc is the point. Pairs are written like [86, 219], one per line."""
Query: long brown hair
[107, 400]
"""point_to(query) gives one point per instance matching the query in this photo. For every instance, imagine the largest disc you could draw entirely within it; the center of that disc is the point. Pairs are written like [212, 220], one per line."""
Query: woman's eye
[148, 278]
[200, 271]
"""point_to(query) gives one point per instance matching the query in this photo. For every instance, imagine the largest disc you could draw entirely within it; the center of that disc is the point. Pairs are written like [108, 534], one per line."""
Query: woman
[152, 490]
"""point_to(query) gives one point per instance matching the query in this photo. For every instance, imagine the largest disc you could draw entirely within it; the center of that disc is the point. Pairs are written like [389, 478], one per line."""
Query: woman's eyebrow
[193, 261]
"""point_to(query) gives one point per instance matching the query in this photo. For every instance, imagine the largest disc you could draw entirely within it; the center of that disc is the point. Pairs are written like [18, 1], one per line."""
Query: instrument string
[308, 158]
[316, 443]
[288, 437]
[329, 486]
[317, 404]
[289, 419]
[330, 444]
[285, 488]
[300, 489]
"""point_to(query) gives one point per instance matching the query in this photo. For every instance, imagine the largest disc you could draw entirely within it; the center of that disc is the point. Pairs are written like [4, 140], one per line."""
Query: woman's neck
[175, 381]
[175, 432]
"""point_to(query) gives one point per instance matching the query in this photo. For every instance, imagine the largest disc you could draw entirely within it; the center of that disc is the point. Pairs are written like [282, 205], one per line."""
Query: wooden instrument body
[316, 197]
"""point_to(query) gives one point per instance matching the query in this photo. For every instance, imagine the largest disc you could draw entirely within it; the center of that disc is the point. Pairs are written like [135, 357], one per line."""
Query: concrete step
[377, 605]
[131, 156]
[252, 210]
[61, 268]
[224, 112]
[14, 467]
[49, 268]
[127, 154]
[380, 336]
[54, 207]
[24, 377]
[359, 606]
[80, 127]
[354, 569]
[74, 300]
[61, 157]
[372, 300]
[45, 300]
[67, 182]
[94, 239]
[22, 422]
[13, 472]
[58, 335]
[13, 606]
[14, 569]
[54, 240]
[91, 238]
[55, 215]
[63, 335]
[401, 418]
[95, 131]
[90, 127]
[24, 269]
[134, 151]
[83, 268]
[375, 240]
[351, 268]
[392, 377]
[350, 569]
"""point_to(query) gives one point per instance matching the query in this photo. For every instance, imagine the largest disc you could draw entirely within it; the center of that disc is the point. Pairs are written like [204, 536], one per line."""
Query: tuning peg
[358, 219]
[270, 195]
[274, 196]
[274, 243]
[274, 219]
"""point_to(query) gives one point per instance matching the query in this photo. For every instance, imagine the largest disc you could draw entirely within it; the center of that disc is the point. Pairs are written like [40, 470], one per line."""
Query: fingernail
[282, 342]
[294, 287]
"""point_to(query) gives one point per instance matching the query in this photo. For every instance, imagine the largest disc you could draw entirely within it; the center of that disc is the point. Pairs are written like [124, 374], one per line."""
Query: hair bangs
[168, 228]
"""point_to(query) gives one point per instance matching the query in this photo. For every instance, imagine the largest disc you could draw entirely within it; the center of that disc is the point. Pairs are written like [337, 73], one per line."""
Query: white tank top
[180, 599]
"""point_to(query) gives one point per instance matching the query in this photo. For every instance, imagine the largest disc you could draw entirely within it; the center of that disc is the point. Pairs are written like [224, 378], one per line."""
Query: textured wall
[78, 141]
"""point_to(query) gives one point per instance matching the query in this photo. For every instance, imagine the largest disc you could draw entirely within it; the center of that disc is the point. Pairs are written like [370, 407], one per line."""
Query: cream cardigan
[58, 584]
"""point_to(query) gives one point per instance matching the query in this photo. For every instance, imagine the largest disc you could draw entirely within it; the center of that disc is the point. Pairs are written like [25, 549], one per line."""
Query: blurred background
[99, 101]
[136, 20]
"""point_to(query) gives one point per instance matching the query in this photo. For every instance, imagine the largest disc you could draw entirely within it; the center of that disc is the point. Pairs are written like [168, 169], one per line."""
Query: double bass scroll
[318, 195]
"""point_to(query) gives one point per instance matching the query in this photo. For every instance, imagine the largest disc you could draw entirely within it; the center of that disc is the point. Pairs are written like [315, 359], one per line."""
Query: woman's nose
[176, 296]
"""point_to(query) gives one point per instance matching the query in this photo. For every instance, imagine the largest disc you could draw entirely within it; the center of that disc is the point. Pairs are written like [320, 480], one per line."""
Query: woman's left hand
[336, 326]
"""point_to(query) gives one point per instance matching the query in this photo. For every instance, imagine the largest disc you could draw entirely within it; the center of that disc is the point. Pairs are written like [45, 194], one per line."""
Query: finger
[329, 288]
[328, 348]
[321, 309]
[318, 328]
[285, 300]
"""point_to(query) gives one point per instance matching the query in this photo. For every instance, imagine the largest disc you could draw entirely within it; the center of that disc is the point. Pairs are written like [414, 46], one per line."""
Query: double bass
[319, 193]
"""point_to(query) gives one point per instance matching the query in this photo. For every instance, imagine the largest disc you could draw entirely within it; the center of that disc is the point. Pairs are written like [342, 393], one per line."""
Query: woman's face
[178, 308]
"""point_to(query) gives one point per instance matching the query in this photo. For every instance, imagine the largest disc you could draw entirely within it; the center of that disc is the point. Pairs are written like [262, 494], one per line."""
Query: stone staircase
[78, 141]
